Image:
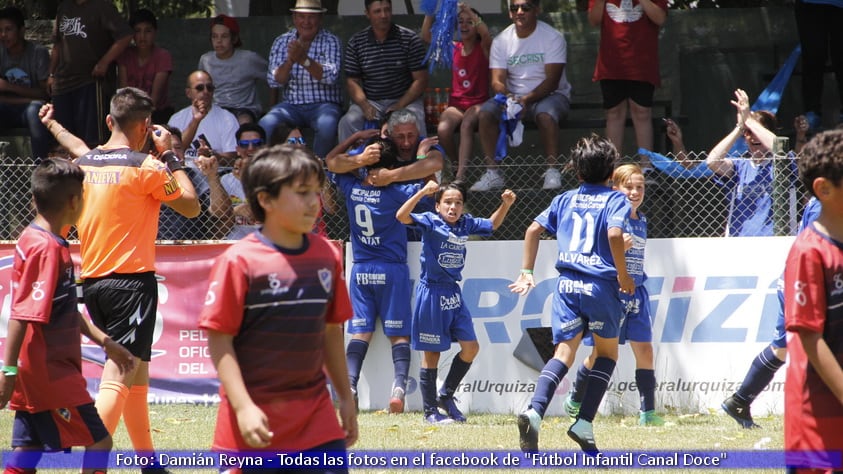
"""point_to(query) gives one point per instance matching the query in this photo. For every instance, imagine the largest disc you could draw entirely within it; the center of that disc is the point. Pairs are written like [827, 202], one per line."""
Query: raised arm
[339, 161]
[403, 214]
[497, 217]
[427, 25]
[674, 134]
[75, 146]
[716, 160]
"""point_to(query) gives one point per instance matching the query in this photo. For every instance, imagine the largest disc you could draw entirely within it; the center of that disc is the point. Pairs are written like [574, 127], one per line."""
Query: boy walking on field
[276, 303]
[42, 372]
[814, 317]
[588, 224]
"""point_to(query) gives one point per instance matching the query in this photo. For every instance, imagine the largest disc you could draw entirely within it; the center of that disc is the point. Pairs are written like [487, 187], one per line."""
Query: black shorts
[124, 307]
[617, 91]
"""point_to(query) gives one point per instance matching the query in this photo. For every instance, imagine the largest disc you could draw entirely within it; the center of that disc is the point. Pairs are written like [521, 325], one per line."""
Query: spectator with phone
[203, 119]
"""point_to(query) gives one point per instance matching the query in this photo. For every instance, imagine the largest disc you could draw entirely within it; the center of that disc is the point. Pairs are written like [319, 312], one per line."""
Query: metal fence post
[783, 184]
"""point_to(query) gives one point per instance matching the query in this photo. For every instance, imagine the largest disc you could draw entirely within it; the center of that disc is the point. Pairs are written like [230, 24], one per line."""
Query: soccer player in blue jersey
[765, 365]
[440, 316]
[380, 278]
[637, 324]
[588, 223]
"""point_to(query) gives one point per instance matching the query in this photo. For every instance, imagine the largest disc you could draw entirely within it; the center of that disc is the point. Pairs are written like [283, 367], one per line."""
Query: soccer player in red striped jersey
[276, 303]
[813, 308]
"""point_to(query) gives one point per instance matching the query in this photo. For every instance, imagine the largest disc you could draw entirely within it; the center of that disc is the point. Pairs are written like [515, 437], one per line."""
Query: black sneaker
[739, 411]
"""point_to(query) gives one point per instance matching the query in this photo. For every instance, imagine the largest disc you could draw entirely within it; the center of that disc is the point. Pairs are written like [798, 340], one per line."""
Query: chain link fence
[674, 206]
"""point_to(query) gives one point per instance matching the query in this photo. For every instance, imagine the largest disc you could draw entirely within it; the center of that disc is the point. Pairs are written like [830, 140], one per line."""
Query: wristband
[526, 271]
[9, 370]
[172, 161]
[421, 157]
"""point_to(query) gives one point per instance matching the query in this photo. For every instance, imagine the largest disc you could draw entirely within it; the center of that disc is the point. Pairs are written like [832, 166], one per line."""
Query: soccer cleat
[583, 434]
[571, 407]
[739, 411]
[649, 418]
[450, 406]
[396, 401]
[490, 180]
[552, 179]
[437, 418]
[529, 424]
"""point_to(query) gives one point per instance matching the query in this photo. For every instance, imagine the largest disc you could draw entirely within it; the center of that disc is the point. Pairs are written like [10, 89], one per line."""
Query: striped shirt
[385, 69]
[301, 87]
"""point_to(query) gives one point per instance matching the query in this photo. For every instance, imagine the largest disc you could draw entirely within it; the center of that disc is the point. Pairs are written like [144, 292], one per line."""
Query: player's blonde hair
[624, 173]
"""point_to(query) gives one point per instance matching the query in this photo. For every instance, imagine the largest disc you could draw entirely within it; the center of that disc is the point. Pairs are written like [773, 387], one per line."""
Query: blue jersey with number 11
[581, 219]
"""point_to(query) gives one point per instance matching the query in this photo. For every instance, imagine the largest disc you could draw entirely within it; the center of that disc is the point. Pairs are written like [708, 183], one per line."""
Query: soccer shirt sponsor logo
[451, 260]
[449, 302]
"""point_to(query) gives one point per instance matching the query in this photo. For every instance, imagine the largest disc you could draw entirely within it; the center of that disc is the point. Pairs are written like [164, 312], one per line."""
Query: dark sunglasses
[202, 87]
[255, 142]
[525, 7]
[296, 140]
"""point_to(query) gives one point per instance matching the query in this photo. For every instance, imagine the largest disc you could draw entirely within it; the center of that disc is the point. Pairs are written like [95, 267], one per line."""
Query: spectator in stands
[237, 71]
[820, 33]
[204, 123]
[384, 71]
[216, 217]
[306, 62]
[250, 139]
[89, 35]
[147, 66]
[469, 84]
[628, 65]
[24, 67]
[527, 63]
[749, 178]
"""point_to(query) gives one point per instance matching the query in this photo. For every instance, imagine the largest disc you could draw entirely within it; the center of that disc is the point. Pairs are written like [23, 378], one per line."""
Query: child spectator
[588, 224]
[439, 316]
[147, 66]
[44, 332]
[637, 323]
[469, 84]
[276, 304]
[813, 310]
[235, 71]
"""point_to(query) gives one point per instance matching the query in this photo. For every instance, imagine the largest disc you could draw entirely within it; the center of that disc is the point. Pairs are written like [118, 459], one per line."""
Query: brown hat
[308, 6]
[226, 21]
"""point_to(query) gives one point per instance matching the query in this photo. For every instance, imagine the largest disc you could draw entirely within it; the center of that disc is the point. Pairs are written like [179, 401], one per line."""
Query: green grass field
[190, 428]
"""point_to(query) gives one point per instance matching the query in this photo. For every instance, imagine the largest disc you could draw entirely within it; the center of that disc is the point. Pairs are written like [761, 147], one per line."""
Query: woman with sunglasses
[749, 177]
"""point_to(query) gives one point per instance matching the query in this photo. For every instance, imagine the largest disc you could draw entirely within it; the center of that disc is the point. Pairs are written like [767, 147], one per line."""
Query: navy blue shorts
[380, 290]
[440, 318]
[125, 308]
[583, 302]
[55, 430]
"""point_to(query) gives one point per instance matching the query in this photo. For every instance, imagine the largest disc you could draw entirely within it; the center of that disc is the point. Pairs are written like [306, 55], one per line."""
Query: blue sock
[646, 381]
[427, 387]
[458, 370]
[760, 373]
[354, 355]
[598, 380]
[549, 379]
[580, 384]
[401, 363]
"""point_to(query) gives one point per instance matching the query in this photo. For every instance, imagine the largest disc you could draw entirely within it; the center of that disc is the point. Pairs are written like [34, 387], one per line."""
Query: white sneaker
[490, 180]
[552, 179]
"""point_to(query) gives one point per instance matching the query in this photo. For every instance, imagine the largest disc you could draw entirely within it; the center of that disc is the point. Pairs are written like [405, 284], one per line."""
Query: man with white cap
[306, 62]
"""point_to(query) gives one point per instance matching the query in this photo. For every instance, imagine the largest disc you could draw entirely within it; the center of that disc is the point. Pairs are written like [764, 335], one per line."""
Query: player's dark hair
[457, 185]
[765, 118]
[54, 182]
[366, 3]
[274, 167]
[250, 127]
[130, 105]
[174, 131]
[144, 15]
[13, 14]
[389, 154]
[593, 158]
[822, 157]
